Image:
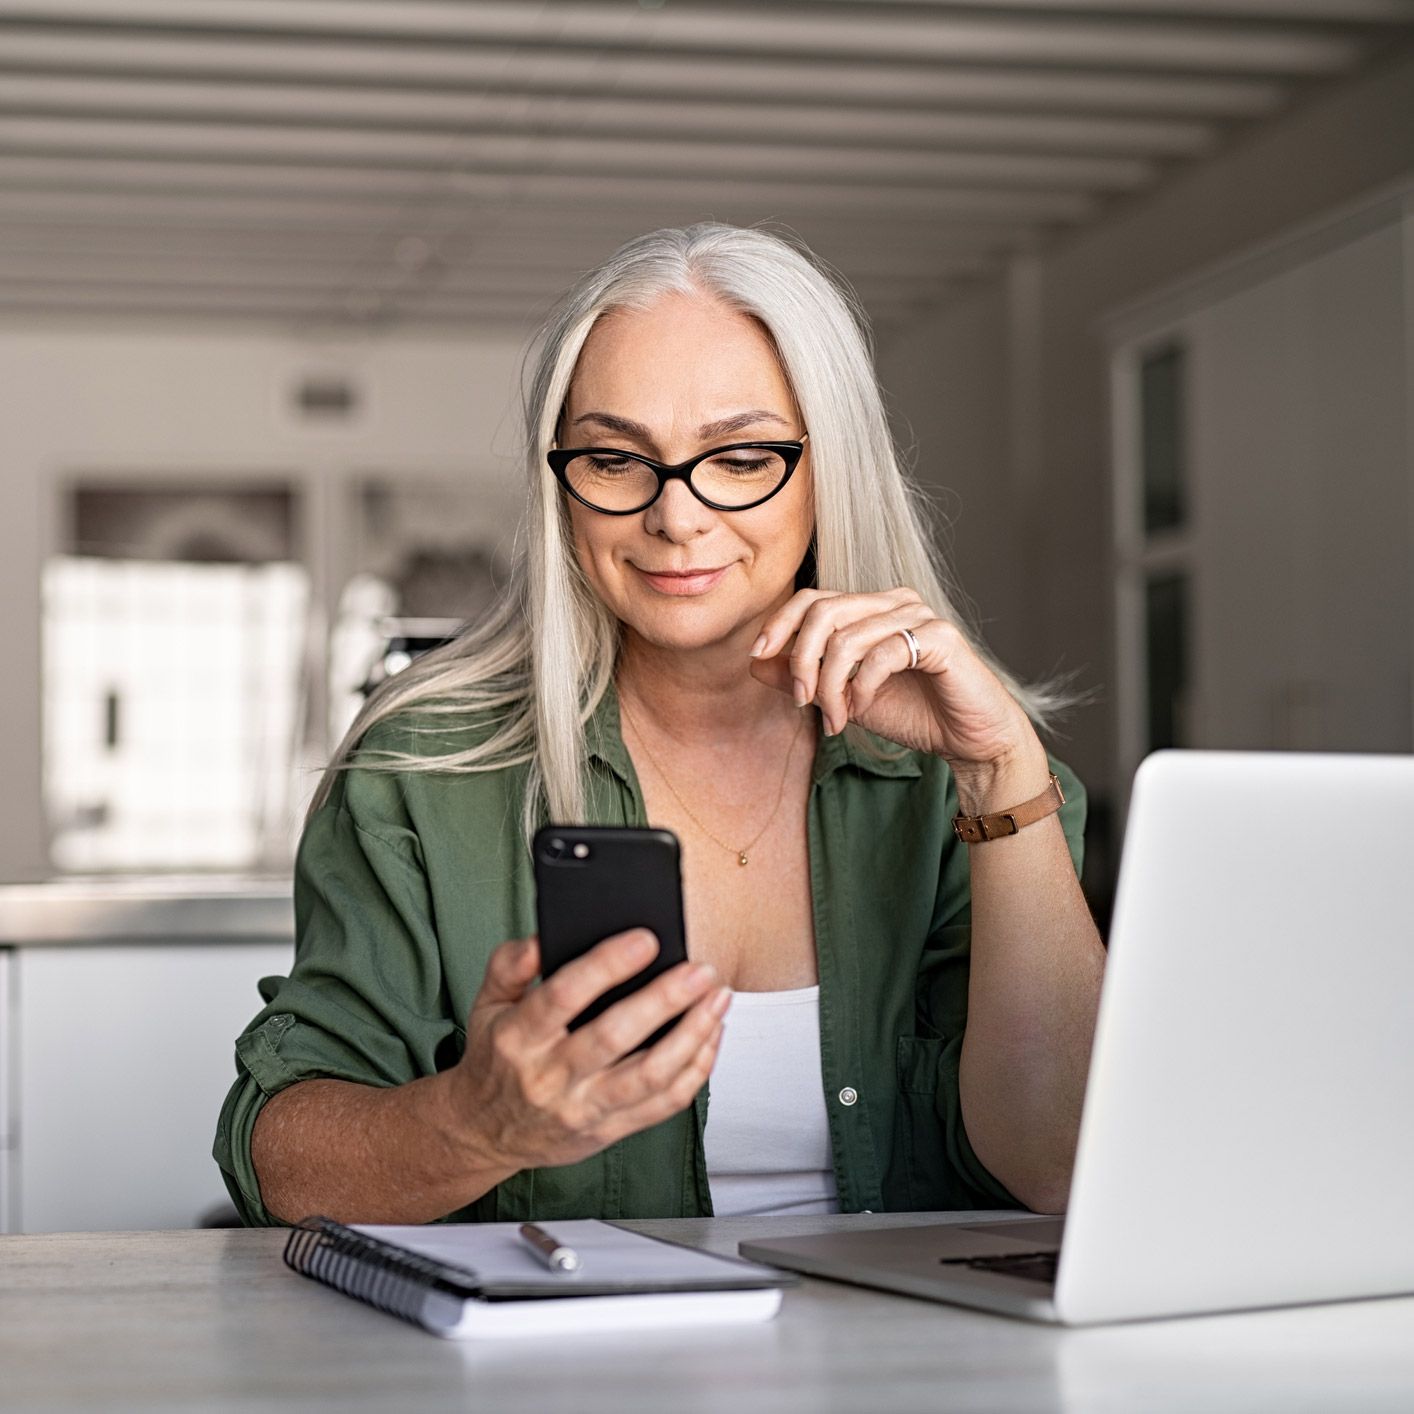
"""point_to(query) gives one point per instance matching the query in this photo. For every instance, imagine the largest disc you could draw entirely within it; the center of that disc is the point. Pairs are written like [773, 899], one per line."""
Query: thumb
[509, 972]
[774, 672]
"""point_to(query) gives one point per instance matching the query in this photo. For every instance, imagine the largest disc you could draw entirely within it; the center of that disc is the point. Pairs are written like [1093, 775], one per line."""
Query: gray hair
[534, 693]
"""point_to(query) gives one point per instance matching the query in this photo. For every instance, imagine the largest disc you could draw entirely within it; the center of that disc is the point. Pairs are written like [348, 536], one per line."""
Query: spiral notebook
[472, 1280]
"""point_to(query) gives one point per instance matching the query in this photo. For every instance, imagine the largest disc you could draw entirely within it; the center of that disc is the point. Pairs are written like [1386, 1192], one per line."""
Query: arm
[527, 1092]
[360, 1153]
[357, 1092]
[1033, 992]
[1033, 988]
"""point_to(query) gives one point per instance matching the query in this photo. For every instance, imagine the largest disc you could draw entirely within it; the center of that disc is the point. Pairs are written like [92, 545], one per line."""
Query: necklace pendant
[741, 859]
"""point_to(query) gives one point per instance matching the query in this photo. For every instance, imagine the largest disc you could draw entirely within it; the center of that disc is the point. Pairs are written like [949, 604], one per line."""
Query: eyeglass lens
[623, 483]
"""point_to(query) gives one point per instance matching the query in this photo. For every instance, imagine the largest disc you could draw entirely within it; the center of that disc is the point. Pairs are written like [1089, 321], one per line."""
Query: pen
[550, 1250]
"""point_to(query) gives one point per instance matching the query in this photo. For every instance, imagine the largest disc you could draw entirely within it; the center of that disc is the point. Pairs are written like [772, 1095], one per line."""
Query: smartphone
[592, 881]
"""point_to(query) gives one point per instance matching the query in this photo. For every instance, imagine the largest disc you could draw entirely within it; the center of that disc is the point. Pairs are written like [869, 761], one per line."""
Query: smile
[681, 584]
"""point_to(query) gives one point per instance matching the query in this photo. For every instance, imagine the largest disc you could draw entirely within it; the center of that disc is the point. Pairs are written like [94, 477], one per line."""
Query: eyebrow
[723, 427]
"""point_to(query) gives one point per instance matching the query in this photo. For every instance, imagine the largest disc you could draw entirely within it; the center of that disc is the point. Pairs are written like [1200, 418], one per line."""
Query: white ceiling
[454, 162]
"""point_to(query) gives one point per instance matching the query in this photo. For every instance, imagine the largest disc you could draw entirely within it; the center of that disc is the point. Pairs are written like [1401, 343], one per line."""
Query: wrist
[984, 787]
[466, 1148]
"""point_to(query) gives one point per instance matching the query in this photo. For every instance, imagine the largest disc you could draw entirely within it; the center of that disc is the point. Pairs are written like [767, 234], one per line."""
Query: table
[213, 1320]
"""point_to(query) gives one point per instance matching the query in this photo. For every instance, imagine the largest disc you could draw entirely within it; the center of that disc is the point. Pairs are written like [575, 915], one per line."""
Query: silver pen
[550, 1250]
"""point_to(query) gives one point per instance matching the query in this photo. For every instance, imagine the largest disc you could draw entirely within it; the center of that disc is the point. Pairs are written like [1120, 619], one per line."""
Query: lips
[682, 582]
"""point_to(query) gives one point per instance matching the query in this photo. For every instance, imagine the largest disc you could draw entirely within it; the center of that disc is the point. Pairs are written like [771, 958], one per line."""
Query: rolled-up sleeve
[364, 1000]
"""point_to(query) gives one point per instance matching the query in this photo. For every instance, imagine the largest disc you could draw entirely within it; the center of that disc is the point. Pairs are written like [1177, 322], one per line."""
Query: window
[173, 686]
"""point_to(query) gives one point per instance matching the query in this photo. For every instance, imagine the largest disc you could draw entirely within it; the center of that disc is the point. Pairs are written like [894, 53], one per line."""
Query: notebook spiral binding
[371, 1271]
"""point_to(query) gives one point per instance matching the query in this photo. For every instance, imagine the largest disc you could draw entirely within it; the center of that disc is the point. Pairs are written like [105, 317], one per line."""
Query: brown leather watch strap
[974, 829]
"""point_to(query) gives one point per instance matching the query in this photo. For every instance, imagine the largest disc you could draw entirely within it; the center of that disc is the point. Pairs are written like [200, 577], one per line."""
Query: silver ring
[912, 648]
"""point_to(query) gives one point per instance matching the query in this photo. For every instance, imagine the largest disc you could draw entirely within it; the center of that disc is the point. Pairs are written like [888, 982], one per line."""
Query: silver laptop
[1248, 1131]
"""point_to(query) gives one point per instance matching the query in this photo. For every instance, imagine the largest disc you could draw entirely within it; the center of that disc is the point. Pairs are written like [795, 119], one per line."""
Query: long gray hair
[533, 693]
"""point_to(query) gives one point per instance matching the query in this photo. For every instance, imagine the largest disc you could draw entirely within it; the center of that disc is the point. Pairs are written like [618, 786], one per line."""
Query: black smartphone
[592, 881]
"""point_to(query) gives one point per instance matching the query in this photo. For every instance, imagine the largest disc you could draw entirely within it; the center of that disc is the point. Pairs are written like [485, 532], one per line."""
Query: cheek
[791, 531]
[594, 538]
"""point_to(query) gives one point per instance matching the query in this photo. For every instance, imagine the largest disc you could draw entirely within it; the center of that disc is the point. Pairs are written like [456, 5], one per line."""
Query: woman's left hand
[951, 705]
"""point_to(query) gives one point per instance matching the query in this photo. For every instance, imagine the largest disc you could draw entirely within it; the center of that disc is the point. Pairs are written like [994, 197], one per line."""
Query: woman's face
[671, 371]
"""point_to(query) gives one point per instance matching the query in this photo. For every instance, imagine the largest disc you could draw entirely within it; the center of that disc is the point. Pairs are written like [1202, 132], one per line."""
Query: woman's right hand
[536, 1094]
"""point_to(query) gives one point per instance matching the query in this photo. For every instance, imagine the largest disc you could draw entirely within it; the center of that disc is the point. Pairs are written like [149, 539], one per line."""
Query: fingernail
[757, 647]
[721, 1002]
[702, 972]
[801, 695]
[643, 941]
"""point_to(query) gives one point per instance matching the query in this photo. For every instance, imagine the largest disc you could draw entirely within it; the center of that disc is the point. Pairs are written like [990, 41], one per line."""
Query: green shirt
[406, 882]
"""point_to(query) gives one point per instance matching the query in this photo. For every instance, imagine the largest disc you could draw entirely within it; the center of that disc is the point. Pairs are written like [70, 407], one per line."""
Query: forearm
[1033, 993]
[360, 1153]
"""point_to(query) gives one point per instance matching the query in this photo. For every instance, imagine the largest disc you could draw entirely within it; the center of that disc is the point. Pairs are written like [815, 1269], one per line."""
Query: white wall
[216, 404]
[1040, 433]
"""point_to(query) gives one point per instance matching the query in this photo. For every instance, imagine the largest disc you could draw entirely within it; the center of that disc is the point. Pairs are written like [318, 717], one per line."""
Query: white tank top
[767, 1135]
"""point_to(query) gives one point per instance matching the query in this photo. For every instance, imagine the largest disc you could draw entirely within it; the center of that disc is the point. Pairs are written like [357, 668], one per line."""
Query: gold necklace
[741, 855]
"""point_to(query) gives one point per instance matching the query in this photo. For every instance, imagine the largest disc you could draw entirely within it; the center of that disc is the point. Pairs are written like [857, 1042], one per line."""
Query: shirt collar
[604, 741]
[603, 736]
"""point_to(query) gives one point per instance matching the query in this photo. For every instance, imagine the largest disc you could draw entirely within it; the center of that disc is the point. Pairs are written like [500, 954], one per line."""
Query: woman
[727, 622]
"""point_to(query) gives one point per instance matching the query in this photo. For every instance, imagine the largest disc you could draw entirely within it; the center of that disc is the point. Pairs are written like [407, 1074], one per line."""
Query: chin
[682, 628]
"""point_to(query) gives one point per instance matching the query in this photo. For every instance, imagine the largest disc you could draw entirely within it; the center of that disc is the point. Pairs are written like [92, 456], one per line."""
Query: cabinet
[114, 1060]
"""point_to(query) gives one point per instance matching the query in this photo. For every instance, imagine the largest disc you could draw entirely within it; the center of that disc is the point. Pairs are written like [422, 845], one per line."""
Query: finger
[825, 618]
[891, 655]
[676, 1095]
[551, 1007]
[836, 695]
[639, 1077]
[510, 970]
[778, 628]
[614, 1034]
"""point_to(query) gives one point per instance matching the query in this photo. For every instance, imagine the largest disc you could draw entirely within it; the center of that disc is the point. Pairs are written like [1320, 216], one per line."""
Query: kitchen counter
[120, 999]
[150, 909]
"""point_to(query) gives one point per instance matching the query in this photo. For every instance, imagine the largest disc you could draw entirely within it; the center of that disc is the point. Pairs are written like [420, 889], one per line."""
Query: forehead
[684, 352]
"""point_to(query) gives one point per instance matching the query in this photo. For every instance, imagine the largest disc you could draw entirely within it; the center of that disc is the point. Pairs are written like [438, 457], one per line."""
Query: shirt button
[848, 1095]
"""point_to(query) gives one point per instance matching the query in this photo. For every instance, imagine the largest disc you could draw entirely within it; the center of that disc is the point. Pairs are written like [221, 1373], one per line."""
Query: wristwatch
[975, 829]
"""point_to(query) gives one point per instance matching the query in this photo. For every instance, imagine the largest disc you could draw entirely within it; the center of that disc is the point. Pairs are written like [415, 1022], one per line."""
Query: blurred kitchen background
[1141, 278]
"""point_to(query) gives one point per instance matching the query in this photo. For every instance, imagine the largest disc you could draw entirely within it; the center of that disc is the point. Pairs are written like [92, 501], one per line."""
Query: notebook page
[497, 1254]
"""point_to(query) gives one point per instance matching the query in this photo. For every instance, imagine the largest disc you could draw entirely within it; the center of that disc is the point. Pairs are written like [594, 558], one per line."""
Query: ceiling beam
[254, 144]
[1295, 11]
[527, 237]
[695, 28]
[410, 192]
[469, 267]
[359, 109]
[759, 80]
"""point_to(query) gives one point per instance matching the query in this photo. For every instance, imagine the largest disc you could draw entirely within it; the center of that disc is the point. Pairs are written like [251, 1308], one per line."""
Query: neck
[702, 695]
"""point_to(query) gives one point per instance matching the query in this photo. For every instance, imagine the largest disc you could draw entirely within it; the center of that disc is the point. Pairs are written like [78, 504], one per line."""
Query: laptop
[1248, 1129]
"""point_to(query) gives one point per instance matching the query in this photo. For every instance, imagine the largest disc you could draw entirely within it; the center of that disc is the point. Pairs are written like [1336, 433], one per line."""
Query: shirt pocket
[922, 1140]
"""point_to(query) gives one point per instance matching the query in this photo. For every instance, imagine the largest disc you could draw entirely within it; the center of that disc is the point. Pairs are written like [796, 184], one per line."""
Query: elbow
[1048, 1194]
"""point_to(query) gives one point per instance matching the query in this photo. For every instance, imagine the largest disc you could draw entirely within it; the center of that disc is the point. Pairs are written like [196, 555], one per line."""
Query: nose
[678, 515]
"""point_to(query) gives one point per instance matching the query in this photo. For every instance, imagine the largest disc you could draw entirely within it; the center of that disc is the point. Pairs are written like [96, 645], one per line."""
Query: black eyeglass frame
[561, 457]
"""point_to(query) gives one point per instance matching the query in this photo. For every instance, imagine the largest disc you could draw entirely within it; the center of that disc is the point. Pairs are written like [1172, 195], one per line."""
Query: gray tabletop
[213, 1320]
